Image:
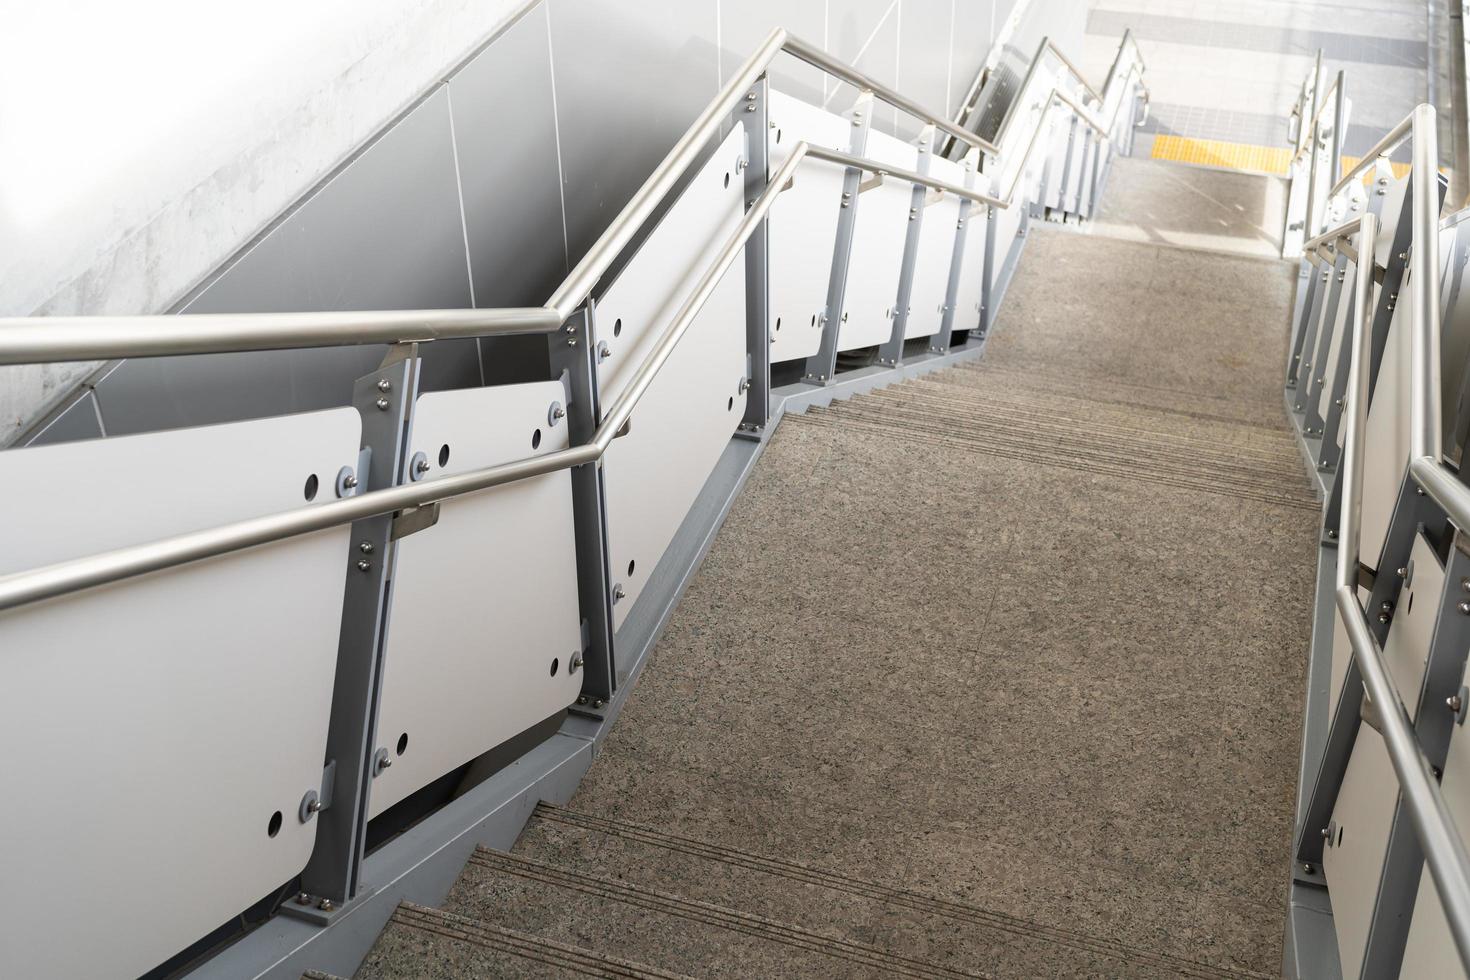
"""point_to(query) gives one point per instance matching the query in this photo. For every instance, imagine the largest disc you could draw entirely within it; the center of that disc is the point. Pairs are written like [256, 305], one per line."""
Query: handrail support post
[384, 399]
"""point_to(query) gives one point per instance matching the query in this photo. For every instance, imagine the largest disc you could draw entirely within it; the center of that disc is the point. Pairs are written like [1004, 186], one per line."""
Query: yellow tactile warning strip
[1218, 153]
[1237, 156]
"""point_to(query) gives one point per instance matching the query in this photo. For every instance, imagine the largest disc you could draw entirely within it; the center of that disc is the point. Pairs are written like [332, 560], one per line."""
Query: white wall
[142, 144]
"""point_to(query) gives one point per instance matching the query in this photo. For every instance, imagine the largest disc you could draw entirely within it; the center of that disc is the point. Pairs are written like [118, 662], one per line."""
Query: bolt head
[382, 404]
[366, 547]
[303, 899]
[384, 385]
[325, 905]
[363, 565]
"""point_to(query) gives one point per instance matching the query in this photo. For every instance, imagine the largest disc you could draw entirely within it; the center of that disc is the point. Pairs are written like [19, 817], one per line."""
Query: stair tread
[942, 933]
[432, 943]
[676, 933]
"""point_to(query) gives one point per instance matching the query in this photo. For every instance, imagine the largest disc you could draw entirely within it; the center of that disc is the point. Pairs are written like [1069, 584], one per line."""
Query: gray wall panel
[924, 57]
[505, 130]
[864, 33]
[72, 423]
[975, 24]
[630, 78]
[744, 24]
[383, 233]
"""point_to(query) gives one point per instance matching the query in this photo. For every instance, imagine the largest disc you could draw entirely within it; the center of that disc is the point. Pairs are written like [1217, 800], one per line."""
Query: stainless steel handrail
[1444, 849]
[913, 177]
[28, 340]
[1390, 142]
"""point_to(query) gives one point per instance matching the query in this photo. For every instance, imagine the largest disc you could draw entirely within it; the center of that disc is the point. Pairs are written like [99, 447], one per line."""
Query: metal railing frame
[45, 339]
[1443, 846]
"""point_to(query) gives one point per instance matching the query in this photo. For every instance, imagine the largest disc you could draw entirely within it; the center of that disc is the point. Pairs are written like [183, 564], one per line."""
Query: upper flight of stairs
[1003, 724]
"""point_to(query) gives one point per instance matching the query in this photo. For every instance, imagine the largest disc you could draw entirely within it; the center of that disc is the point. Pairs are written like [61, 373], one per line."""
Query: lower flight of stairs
[596, 897]
[1046, 705]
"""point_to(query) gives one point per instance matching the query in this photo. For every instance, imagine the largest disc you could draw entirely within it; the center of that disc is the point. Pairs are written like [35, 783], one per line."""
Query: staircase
[1032, 742]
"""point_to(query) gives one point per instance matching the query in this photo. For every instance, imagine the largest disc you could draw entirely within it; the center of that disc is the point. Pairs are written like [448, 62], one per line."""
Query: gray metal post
[1309, 282]
[822, 365]
[1434, 721]
[1338, 292]
[571, 355]
[1339, 125]
[987, 287]
[1320, 296]
[969, 211]
[385, 401]
[755, 113]
[890, 353]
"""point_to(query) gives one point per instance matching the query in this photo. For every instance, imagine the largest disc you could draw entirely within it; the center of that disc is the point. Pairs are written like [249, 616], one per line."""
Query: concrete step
[578, 905]
[956, 410]
[431, 944]
[861, 926]
[1192, 207]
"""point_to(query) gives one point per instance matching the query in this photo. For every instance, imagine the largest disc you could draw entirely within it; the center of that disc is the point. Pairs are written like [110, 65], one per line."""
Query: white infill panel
[1430, 950]
[936, 251]
[162, 731]
[649, 290]
[803, 225]
[1055, 188]
[679, 430]
[686, 417]
[484, 622]
[1386, 439]
[1352, 859]
[877, 248]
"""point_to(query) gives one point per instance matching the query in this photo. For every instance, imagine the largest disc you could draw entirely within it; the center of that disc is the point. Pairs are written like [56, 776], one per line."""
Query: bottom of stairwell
[994, 672]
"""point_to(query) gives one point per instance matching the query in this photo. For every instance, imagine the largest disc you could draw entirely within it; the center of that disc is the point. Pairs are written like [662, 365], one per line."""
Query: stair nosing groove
[915, 901]
[1304, 501]
[999, 410]
[715, 915]
[1068, 454]
[478, 932]
[1074, 440]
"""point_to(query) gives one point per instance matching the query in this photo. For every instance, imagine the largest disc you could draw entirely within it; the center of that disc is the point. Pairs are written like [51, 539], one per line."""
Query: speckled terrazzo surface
[995, 672]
